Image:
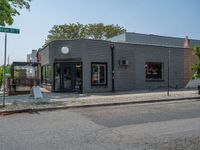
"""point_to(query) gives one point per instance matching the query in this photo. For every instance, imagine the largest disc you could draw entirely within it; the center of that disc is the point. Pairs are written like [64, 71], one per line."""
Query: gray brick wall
[124, 75]
[74, 50]
[95, 51]
[158, 54]
[45, 56]
[133, 76]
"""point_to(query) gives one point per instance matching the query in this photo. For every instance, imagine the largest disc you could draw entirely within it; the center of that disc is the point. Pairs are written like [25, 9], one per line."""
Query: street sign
[9, 30]
[6, 30]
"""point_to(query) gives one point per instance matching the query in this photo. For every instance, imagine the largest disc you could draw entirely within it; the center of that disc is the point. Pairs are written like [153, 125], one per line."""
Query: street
[166, 125]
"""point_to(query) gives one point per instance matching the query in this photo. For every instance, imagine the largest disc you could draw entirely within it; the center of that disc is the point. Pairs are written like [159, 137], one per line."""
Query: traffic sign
[9, 30]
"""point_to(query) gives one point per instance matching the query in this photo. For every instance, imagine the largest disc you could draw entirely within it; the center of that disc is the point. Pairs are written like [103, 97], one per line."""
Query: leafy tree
[77, 30]
[10, 8]
[96, 31]
[1, 76]
[8, 71]
[71, 31]
[1, 73]
[112, 30]
[196, 66]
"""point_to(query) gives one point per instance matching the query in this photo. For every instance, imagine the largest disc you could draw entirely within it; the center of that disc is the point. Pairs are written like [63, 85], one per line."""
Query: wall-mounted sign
[65, 50]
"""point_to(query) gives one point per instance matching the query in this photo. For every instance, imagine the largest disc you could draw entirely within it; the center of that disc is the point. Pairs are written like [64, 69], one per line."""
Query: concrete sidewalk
[62, 100]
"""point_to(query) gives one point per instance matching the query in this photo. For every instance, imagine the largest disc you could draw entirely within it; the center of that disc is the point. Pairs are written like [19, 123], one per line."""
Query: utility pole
[4, 71]
[8, 63]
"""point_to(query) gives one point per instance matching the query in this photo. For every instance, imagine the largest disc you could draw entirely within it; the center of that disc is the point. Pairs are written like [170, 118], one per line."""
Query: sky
[177, 18]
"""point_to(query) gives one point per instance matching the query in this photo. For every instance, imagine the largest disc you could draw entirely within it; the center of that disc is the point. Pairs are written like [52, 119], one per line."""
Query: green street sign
[9, 30]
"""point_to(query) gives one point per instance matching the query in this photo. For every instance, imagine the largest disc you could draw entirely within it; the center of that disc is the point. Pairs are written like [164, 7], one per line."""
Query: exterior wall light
[65, 50]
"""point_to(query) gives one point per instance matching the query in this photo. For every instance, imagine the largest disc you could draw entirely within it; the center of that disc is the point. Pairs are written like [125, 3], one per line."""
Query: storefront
[62, 76]
[86, 65]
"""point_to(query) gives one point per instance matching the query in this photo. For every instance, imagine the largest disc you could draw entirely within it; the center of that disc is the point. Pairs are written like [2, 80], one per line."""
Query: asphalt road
[173, 125]
[139, 114]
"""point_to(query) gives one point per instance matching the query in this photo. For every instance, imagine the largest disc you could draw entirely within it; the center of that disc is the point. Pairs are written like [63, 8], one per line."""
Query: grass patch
[32, 105]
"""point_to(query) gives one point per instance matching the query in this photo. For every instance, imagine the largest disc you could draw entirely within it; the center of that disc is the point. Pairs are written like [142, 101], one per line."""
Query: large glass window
[154, 71]
[46, 75]
[57, 77]
[78, 76]
[99, 74]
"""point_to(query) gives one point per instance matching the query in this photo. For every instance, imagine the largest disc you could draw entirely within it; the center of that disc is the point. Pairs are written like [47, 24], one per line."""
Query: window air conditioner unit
[123, 62]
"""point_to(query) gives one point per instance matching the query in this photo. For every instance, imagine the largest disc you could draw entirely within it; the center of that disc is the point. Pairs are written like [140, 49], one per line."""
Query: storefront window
[57, 77]
[99, 74]
[154, 71]
[78, 76]
[46, 75]
[43, 74]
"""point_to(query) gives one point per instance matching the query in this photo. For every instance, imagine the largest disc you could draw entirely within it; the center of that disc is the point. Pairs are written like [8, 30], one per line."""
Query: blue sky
[177, 18]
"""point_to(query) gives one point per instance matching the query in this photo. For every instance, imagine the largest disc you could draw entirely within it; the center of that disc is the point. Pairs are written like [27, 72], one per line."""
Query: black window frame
[162, 72]
[46, 72]
[106, 76]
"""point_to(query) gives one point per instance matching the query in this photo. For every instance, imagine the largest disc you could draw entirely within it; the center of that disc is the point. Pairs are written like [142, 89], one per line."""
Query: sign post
[6, 30]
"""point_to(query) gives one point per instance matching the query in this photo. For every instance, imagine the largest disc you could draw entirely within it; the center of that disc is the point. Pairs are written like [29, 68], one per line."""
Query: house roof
[150, 39]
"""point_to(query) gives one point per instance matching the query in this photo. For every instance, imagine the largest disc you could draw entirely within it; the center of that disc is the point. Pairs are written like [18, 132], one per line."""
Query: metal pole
[168, 84]
[4, 71]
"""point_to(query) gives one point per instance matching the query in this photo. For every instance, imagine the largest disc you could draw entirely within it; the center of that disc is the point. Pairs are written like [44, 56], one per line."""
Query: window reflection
[154, 71]
[99, 74]
[57, 77]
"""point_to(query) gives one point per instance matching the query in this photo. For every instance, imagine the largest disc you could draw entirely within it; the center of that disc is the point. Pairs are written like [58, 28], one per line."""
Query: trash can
[198, 87]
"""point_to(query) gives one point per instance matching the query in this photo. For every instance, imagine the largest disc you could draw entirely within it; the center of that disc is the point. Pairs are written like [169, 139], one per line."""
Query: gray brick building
[114, 65]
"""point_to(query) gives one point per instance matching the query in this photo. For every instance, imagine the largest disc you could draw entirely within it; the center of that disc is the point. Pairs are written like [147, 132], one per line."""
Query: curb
[35, 110]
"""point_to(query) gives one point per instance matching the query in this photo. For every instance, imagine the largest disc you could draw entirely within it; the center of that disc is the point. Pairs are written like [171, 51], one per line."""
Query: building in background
[27, 69]
[150, 39]
[31, 58]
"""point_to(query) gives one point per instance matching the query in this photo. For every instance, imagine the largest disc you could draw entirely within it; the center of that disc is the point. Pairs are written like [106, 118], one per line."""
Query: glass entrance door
[68, 78]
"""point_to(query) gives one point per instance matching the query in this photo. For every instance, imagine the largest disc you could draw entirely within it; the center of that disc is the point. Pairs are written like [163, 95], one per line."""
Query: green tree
[77, 30]
[71, 31]
[1, 76]
[196, 66]
[8, 71]
[96, 31]
[10, 8]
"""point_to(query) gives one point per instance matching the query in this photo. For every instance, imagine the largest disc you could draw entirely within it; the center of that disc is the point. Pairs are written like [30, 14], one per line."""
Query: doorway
[67, 77]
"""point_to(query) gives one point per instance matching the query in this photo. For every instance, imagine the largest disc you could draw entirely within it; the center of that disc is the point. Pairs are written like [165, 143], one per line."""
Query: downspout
[112, 47]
